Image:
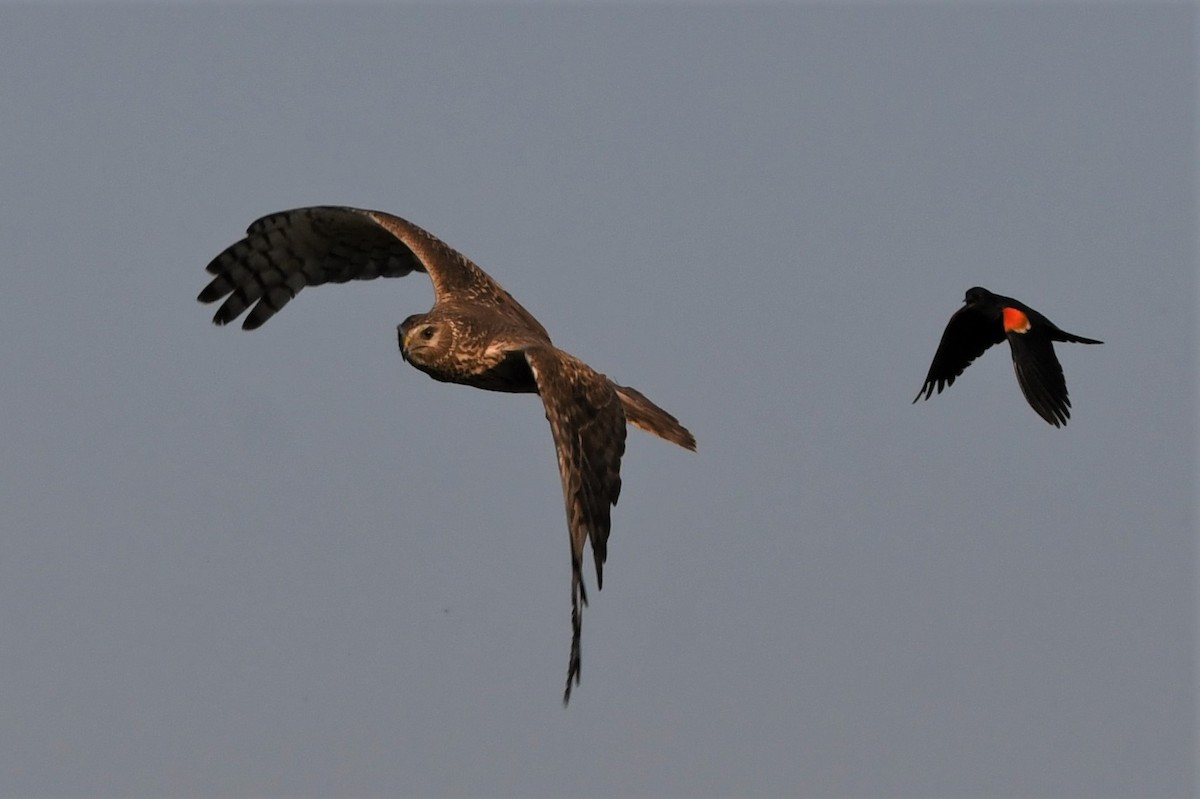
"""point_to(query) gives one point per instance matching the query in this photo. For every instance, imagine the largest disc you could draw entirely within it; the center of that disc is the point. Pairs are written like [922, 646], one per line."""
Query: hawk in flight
[475, 334]
[988, 319]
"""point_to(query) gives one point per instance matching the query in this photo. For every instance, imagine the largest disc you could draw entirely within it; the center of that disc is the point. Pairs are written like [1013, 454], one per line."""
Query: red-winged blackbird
[988, 319]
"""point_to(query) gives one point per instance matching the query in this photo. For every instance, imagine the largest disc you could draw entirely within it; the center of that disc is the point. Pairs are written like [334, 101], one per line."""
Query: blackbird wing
[968, 334]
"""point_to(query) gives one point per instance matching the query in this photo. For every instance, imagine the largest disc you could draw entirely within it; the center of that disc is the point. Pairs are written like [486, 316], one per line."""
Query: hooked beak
[401, 338]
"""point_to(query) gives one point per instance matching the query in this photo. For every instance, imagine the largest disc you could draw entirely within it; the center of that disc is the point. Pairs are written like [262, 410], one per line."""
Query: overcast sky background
[284, 562]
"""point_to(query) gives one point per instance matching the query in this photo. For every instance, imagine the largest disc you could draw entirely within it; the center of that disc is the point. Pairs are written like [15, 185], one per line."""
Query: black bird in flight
[988, 319]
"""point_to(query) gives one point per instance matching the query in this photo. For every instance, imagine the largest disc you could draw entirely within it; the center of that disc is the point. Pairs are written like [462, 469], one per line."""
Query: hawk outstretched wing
[286, 251]
[585, 417]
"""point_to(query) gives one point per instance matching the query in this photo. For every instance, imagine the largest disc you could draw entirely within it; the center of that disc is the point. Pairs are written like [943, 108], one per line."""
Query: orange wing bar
[1015, 321]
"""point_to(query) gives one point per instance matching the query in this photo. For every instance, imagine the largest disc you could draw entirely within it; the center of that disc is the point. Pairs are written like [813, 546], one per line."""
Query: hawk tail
[641, 412]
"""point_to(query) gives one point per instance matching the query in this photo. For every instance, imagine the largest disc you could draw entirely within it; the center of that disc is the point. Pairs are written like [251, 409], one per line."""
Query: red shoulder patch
[1015, 321]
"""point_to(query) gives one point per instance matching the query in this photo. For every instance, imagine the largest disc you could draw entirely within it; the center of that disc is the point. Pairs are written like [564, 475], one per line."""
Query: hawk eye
[427, 333]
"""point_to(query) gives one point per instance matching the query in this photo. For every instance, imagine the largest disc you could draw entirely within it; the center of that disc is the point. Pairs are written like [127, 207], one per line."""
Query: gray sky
[285, 563]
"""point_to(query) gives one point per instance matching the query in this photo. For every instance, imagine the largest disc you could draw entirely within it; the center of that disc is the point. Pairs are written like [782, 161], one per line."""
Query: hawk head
[424, 341]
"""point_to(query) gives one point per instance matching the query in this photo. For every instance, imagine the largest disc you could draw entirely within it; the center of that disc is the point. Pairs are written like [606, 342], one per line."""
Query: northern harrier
[988, 319]
[475, 334]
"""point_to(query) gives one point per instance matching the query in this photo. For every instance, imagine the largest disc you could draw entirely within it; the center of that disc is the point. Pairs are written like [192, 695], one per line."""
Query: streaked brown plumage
[475, 334]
